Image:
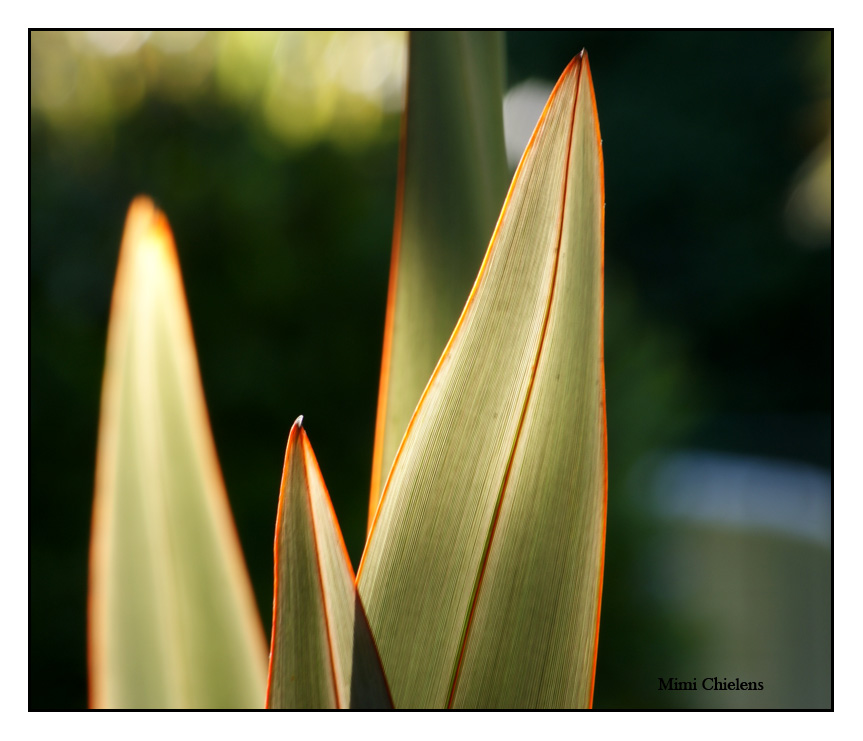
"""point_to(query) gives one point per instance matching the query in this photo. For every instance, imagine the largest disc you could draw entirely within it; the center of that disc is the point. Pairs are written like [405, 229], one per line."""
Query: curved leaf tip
[172, 619]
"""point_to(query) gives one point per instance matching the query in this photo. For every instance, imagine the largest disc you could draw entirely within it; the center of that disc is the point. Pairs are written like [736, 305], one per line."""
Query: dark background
[718, 314]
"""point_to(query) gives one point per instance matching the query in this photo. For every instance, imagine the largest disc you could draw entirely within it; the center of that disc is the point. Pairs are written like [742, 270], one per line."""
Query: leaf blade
[435, 526]
[172, 618]
[452, 179]
[323, 654]
[567, 560]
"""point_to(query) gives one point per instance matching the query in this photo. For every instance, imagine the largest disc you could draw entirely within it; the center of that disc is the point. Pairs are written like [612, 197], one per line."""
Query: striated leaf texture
[452, 182]
[172, 617]
[322, 653]
[482, 573]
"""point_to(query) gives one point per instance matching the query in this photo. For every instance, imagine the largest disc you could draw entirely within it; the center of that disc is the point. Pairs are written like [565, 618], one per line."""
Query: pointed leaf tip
[322, 653]
[491, 523]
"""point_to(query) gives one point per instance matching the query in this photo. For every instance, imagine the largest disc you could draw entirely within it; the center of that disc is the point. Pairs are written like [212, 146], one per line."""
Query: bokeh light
[304, 86]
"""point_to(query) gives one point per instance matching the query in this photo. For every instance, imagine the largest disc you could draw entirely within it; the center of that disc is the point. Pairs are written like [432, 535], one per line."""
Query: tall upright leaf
[172, 617]
[452, 180]
[482, 572]
[322, 653]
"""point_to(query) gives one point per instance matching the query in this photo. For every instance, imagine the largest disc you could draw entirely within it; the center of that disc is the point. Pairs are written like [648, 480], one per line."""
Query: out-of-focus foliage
[718, 323]
[809, 210]
[302, 86]
[452, 182]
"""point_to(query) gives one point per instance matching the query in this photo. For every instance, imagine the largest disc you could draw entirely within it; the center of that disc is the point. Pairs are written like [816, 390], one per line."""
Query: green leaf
[323, 655]
[482, 573]
[452, 181]
[172, 617]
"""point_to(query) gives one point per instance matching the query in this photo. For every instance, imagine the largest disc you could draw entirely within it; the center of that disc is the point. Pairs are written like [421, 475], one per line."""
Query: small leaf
[322, 654]
[482, 573]
[452, 180]
[172, 617]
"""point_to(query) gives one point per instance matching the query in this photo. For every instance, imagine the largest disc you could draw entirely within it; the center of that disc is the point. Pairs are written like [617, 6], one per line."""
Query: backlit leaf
[172, 617]
[322, 655]
[483, 569]
[452, 181]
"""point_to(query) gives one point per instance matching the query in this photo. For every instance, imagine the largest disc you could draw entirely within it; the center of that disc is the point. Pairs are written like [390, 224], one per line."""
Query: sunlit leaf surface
[322, 652]
[452, 181]
[482, 574]
[172, 617]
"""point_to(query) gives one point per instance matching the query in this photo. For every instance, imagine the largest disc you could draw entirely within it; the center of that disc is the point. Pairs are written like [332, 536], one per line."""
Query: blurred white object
[746, 492]
[522, 107]
[738, 564]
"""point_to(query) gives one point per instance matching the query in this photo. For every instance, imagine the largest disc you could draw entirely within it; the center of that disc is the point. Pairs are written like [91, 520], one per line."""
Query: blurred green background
[274, 157]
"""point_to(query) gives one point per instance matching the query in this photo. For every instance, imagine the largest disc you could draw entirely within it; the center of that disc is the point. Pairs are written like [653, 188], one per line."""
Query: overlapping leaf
[452, 181]
[482, 573]
[172, 617]
[322, 653]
